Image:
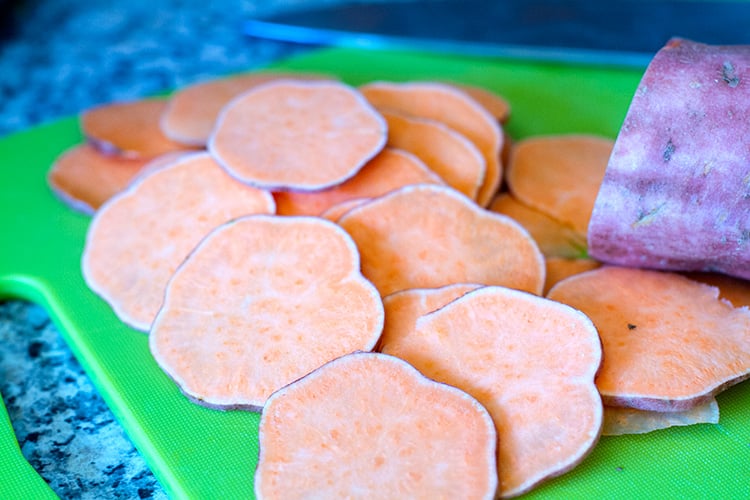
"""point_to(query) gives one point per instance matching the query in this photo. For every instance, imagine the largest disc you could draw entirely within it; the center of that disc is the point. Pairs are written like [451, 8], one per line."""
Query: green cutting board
[197, 452]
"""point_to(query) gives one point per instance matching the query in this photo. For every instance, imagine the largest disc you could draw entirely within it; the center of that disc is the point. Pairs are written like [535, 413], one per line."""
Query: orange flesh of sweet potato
[191, 111]
[335, 212]
[449, 154]
[619, 420]
[129, 128]
[495, 104]
[559, 175]
[554, 238]
[454, 108]
[294, 135]
[390, 169]
[735, 290]
[559, 268]
[367, 425]
[669, 342]
[137, 239]
[530, 361]
[262, 301]
[427, 236]
[84, 177]
[404, 308]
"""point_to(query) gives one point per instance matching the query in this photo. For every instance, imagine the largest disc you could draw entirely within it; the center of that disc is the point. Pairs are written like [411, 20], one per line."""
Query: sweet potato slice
[294, 135]
[449, 154]
[735, 290]
[559, 175]
[619, 420]
[192, 111]
[669, 342]
[368, 425]
[454, 108]
[427, 236]
[494, 103]
[676, 194]
[404, 308]
[559, 268]
[262, 301]
[138, 238]
[554, 238]
[335, 212]
[84, 177]
[390, 169]
[530, 361]
[128, 128]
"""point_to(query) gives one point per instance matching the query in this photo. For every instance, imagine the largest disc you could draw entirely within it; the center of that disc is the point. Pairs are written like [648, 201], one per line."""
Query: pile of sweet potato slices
[284, 238]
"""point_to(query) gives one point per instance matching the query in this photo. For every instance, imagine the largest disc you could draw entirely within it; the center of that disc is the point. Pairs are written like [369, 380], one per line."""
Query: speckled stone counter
[58, 57]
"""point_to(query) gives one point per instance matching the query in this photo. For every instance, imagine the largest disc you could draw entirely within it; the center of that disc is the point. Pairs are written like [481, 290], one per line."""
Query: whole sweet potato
[676, 192]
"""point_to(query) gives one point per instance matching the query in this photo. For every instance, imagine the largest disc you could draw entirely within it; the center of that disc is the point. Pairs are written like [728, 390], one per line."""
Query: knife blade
[612, 32]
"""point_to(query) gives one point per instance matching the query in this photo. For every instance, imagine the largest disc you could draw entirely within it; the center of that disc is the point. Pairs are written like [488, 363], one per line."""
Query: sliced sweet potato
[404, 308]
[334, 212]
[449, 154]
[294, 135]
[554, 238]
[669, 342]
[456, 109]
[676, 194]
[138, 238]
[390, 169]
[559, 175]
[192, 110]
[427, 236]
[530, 361]
[559, 268]
[128, 128]
[735, 290]
[368, 425]
[494, 103]
[262, 301]
[619, 420]
[84, 177]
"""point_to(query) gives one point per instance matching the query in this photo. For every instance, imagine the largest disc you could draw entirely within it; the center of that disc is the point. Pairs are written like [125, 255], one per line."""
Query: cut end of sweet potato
[262, 301]
[427, 236]
[294, 135]
[129, 128]
[368, 425]
[530, 361]
[669, 342]
[138, 238]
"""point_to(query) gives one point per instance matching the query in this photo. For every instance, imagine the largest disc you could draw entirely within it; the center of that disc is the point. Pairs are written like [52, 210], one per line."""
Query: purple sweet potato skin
[676, 192]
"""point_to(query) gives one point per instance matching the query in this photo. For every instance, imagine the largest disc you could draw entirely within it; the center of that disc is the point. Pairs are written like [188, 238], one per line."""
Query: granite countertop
[57, 58]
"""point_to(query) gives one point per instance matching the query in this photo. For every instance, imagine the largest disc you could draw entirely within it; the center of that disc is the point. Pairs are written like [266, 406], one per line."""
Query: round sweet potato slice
[449, 154]
[554, 238]
[294, 135]
[191, 111]
[367, 425]
[128, 128]
[559, 175]
[456, 109]
[530, 361]
[427, 236]
[137, 239]
[669, 342]
[390, 169]
[262, 301]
